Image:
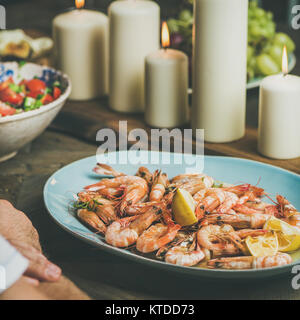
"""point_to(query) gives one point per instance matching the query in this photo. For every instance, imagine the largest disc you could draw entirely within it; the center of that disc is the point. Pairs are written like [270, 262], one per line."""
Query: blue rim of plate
[193, 271]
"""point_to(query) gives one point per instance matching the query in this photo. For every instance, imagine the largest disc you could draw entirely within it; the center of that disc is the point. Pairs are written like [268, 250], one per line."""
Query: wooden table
[102, 275]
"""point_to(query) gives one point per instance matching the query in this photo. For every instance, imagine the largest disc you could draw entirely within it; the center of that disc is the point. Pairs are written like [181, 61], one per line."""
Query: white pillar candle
[81, 51]
[219, 68]
[134, 33]
[166, 82]
[279, 117]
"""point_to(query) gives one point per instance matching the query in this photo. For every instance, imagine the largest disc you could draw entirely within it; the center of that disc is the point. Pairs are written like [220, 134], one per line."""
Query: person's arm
[64, 289]
[18, 230]
[23, 290]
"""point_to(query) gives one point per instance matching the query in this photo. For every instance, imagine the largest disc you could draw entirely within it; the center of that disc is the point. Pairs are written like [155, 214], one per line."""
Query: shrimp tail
[106, 170]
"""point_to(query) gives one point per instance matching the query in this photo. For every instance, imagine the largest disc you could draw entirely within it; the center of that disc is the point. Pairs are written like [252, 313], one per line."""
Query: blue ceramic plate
[62, 186]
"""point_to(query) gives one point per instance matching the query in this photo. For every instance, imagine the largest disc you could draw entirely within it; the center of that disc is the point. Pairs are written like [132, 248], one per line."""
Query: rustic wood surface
[72, 137]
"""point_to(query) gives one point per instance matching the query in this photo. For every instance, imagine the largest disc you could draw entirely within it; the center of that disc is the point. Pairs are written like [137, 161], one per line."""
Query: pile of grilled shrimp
[136, 212]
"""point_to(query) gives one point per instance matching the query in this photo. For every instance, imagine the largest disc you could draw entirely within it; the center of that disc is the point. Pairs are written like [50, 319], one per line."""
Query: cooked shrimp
[156, 237]
[141, 207]
[91, 219]
[257, 207]
[239, 220]
[244, 233]
[125, 232]
[294, 220]
[115, 183]
[135, 193]
[230, 201]
[160, 182]
[188, 253]
[271, 210]
[280, 259]
[106, 170]
[246, 192]
[215, 239]
[105, 210]
[208, 200]
[136, 189]
[144, 173]
[286, 209]
[179, 238]
[193, 182]
[241, 208]
[87, 196]
[186, 177]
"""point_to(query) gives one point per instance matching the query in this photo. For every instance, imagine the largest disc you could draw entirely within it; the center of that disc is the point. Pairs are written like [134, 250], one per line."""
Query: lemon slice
[288, 236]
[183, 207]
[266, 245]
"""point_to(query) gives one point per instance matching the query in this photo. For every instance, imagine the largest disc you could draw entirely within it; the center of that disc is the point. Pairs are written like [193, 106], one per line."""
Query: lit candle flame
[285, 64]
[165, 35]
[79, 4]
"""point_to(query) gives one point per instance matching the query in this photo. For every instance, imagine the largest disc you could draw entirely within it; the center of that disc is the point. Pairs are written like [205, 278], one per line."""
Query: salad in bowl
[31, 96]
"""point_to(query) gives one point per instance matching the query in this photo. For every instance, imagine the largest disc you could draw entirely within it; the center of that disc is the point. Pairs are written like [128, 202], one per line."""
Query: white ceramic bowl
[19, 129]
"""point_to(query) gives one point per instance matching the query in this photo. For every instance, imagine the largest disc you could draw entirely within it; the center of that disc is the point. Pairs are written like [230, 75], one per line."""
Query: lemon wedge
[266, 245]
[183, 207]
[288, 236]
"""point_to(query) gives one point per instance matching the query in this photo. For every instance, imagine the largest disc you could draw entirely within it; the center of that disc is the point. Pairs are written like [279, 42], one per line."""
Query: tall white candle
[134, 33]
[81, 51]
[279, 116]
[219, 68]
[166, 82]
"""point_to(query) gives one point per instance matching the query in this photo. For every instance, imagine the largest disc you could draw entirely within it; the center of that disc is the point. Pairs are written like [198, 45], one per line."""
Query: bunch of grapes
[264, 52]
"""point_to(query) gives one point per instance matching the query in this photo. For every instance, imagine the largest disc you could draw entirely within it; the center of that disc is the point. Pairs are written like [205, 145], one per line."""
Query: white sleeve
[12, 265]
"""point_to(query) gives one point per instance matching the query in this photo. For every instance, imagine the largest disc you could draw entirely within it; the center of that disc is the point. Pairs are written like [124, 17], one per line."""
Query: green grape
[255, 31]
[253, 23]
[283, 39]
[252, 5]
[259, 12]
[276, 53]
[250, 53]
[186, 16]
[173, 25]
[267, 47]
[250, 73]
[264, 45]
[266, 65]
[252, 63]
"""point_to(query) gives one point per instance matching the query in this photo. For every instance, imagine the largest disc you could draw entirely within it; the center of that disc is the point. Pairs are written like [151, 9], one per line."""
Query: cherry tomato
[8, 95]
[56, 93]
[6, 110]
[47, 98]
[36, 85]
[33, 94]
[4, 84]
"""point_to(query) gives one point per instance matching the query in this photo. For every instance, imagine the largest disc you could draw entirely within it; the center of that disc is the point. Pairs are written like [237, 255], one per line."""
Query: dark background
[39, 13]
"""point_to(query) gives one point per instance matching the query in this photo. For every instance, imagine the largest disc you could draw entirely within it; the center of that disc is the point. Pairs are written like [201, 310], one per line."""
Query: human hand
[15, 225]
[39, 268]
